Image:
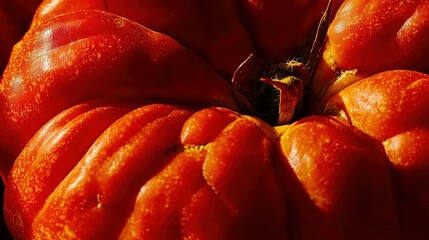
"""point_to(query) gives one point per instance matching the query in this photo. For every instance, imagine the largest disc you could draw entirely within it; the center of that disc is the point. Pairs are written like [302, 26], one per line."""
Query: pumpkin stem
[274, 91]
[276, 96]
[312, 58]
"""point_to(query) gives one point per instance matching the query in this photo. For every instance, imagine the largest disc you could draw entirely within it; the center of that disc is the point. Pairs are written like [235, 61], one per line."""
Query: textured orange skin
[345, 190]
[63, 71]
[368, 37]
[223, 32]
[110, 170]
[350, 184]
[337, 180]
[380, 35]
[15, 18]
[208, 165]
[386, 104]
[393, 107]
[62, 60]
[65, 61]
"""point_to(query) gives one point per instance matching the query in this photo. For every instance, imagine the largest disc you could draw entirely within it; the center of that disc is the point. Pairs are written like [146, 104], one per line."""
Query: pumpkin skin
[301, 203]
[374, 146]
[337, 181]
[74, 44]
[387, 34]
[350, 191]
[73, 47]
[368, 37]
[15, 19]
[47, 80]
[223, 32]
[103, 55]
[197, 180]
[392, 107]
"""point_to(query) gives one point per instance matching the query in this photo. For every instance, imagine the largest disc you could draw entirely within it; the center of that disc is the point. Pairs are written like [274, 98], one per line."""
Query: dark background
[4, 233]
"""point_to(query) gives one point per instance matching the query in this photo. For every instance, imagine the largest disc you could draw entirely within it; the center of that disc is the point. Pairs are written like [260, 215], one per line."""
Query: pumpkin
[109, 173]
[93, 61]
[345, 173]
[15, 18]
[142, 121]
[367, 37]
[223, 33]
